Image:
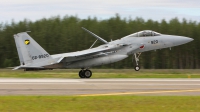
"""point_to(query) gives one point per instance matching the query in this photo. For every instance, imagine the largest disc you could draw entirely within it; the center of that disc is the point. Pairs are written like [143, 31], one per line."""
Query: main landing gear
[85, 73]
[137, 55]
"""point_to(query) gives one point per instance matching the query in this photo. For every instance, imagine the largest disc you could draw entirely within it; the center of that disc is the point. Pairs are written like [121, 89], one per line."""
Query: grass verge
[104, 73]
[99, 104]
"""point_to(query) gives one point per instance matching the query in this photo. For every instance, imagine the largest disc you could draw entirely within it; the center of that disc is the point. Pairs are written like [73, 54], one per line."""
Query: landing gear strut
[85, 73]
[137, 55]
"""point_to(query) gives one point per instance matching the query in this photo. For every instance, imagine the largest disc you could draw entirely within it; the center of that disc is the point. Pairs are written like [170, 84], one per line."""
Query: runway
[99, 87]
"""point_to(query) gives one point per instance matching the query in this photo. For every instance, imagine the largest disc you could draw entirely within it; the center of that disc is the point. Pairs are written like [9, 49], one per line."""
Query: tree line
[61, 35]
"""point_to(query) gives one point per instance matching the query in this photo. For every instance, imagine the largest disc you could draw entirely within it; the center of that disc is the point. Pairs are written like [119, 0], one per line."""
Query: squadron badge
[27, 42]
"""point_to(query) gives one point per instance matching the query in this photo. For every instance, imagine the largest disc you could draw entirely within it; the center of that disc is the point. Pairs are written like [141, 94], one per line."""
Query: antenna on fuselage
[96, 36]
[93, 44]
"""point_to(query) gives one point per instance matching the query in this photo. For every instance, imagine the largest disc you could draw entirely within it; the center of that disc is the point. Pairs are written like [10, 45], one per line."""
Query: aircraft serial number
[154, 42]
[40, 56]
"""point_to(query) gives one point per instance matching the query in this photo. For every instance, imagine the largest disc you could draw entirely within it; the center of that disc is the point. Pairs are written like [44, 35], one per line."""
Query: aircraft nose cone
[186, 39]
[178, 40]
[190, 39]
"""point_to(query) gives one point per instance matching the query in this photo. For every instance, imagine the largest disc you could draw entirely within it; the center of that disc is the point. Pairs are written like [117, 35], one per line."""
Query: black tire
[137, 68]
[81, 74]
[87, 73]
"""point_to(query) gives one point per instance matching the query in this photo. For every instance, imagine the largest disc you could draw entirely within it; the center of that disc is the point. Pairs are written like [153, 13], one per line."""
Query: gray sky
[102, 9]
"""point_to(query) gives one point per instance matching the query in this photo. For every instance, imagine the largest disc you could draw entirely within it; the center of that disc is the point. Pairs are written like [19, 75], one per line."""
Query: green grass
[104, 73]
[99, 104]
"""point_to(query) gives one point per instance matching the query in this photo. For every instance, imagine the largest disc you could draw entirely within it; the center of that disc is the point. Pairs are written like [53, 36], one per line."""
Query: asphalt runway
[100, 87]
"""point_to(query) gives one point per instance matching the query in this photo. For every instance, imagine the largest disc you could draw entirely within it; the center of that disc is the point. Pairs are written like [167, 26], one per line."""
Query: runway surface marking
[15, 80]
[99, 87]
[147, 92]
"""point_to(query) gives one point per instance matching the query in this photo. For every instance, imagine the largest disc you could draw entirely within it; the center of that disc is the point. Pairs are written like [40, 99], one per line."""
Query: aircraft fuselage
[127, 46]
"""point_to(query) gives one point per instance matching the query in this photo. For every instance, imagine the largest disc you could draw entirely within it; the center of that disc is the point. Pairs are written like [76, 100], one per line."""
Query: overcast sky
[102, 9]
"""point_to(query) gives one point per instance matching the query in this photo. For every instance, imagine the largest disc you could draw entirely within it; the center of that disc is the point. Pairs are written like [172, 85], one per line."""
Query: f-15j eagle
[33, 57]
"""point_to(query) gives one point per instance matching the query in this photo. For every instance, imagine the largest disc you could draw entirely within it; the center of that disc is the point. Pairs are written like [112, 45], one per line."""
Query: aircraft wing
[87, 54]
[80, 55]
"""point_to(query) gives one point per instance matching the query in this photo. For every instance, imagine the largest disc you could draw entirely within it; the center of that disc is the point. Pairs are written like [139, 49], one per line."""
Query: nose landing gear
[137, 68]
[137, 55]
[85, 73]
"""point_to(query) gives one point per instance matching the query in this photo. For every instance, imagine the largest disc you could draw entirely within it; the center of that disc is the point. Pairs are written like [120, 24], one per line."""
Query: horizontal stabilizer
[24, 67]
[96, 36]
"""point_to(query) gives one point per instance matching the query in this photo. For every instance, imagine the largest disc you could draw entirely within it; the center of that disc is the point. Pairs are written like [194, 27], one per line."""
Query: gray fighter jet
[33, 57]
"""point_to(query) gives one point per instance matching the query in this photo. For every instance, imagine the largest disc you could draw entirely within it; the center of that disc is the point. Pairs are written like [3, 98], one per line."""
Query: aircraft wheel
[81, 74]
[137, 68]
[87, 73]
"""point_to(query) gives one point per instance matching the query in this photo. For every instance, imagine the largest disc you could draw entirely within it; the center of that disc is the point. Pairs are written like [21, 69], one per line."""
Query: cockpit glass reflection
[145, 33]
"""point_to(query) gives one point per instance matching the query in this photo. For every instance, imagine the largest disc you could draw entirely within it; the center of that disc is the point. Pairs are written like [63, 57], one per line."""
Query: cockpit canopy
[145, 33]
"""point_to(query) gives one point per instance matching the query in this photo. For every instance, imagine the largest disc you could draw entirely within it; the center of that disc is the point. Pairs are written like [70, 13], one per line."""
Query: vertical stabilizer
[29, 51]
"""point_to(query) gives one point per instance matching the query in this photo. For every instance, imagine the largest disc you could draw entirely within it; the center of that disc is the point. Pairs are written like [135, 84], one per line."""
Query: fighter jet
[33, 57]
